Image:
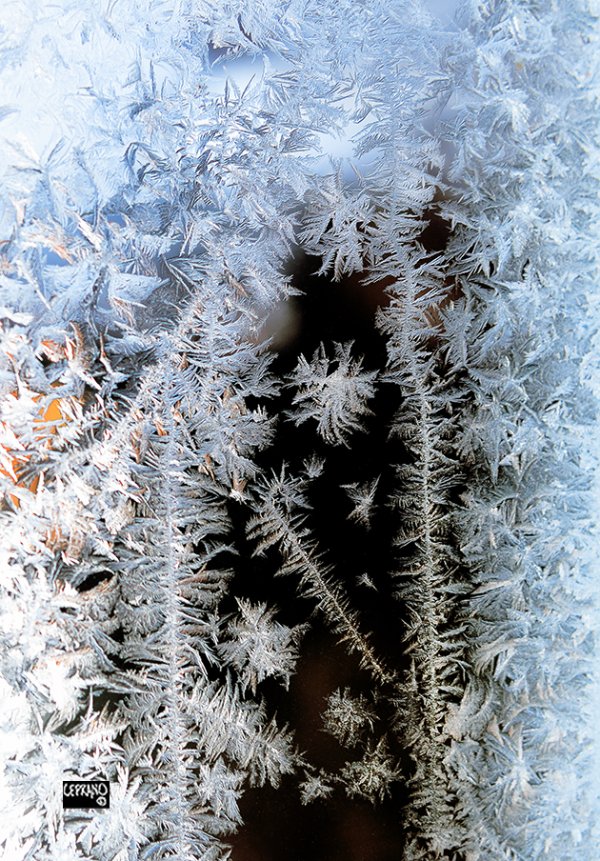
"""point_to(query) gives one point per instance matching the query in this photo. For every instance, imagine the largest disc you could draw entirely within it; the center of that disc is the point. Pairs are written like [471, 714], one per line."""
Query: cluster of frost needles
[162, 162]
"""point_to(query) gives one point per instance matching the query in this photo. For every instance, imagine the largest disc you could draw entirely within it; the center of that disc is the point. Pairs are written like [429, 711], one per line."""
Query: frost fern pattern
[350, 564]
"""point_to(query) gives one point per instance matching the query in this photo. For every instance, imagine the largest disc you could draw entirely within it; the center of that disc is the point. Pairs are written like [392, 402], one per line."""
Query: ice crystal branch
[279, 522]
[335, 396]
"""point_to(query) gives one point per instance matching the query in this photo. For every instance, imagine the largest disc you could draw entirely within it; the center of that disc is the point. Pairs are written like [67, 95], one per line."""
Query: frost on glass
[335, 393]
[347, 562]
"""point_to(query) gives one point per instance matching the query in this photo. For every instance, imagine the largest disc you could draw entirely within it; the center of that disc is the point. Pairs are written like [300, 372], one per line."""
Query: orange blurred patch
[49, 419]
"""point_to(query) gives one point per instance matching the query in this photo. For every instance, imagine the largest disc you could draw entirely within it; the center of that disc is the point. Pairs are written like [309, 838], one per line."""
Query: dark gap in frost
[94, 580]
[327, 312]
[276, 828]
[436, 235]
